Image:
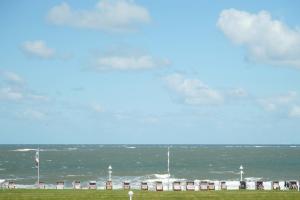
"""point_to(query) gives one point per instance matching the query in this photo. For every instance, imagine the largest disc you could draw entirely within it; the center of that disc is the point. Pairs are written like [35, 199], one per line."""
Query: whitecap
[24, 150]
[253, 178]
[72, 148]
[162, 175]
[130, 147]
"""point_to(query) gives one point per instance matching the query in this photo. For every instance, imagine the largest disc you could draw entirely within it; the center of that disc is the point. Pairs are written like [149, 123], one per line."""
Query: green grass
[27, 194]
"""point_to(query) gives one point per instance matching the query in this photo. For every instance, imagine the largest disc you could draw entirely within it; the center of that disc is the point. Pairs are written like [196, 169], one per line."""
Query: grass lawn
[143, 195]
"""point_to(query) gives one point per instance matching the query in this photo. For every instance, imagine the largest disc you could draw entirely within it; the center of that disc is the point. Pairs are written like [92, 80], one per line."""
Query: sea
[136, 163]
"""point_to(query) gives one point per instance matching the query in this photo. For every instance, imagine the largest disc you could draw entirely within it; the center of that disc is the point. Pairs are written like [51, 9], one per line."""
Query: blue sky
[207, 72]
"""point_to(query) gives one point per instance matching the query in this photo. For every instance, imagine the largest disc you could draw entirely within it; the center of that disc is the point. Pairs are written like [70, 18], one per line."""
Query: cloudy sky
[124, 71]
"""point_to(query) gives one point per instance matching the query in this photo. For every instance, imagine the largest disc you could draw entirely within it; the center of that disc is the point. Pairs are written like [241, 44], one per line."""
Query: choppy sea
[136, 163]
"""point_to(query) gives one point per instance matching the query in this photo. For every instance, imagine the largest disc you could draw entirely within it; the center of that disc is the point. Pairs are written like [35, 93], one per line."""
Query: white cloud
[12, 77]
[128, 62]
[295, 111]
[32, 114]
[193, 91]
[37, 97]
[8, 93]
[108, 15]
[238, 92]
[38, 48]
[266, 40]
[13, 88]
[278, 102]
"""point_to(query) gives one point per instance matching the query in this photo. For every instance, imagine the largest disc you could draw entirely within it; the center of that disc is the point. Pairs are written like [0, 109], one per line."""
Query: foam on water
[24, 150]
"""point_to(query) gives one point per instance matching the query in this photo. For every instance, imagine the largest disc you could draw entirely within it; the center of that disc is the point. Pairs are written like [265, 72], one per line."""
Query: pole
[109, 172]
[168, 168]
[38, 166]
[169, 160]
[241, 172]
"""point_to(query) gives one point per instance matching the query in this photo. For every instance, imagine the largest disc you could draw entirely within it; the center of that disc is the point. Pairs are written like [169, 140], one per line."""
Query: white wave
[45, 150]
[24, 150]
[75, 175]
[72, 149]
[223, 172]
[163, 176]
[2, 169]
[130, 147]
[253, 178]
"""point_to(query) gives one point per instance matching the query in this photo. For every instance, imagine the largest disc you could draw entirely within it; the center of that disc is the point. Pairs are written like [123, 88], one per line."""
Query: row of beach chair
[188, 185]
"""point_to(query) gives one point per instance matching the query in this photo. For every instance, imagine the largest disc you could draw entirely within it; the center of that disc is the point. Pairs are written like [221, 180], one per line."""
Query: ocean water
[136, 163]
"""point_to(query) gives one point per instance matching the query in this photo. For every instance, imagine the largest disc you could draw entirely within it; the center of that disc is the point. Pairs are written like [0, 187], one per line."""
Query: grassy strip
[144, 195]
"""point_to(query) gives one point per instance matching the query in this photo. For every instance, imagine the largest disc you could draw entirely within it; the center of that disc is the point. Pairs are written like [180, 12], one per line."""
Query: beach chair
[11, 185]
[144, 186]
[259, 185]
[203, 185]
[109, 185]
[223, 185]
[92, 185]
[126, 185]
[242, 185]
[76, 185]
[176, 186]
[60, 185]
[159, 186]
[293, 185]
[211, 186]
[275, 185]
[190, 186]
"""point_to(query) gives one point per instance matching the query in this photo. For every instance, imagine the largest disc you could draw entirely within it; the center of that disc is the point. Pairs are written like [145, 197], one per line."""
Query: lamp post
[130, 193]
[241, 172]
[109, 172]
[168, 168]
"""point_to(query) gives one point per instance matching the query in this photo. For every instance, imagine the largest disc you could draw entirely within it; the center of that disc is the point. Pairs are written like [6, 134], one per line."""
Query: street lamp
[109, 172]
[130, 193]
[241, 172]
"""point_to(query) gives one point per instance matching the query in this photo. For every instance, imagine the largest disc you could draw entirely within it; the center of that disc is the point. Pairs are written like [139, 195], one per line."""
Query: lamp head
[130, 193]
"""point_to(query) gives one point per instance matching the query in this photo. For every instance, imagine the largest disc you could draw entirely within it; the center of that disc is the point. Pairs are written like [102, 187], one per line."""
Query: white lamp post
[241, 172]
[130, 193]
[109, 172]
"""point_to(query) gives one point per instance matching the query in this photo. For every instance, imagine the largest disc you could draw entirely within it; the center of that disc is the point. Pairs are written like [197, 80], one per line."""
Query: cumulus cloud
[38, 48]
[278, 102]
[193, 91]
[10, 94]
[32, 114]
[13, 88]
[267, 40]
[128, 62]
[12, 77]
[108, 15]
[295, 111]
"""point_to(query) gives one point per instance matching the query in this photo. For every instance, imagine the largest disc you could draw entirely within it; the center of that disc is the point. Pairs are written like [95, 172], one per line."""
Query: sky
[150, 72]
